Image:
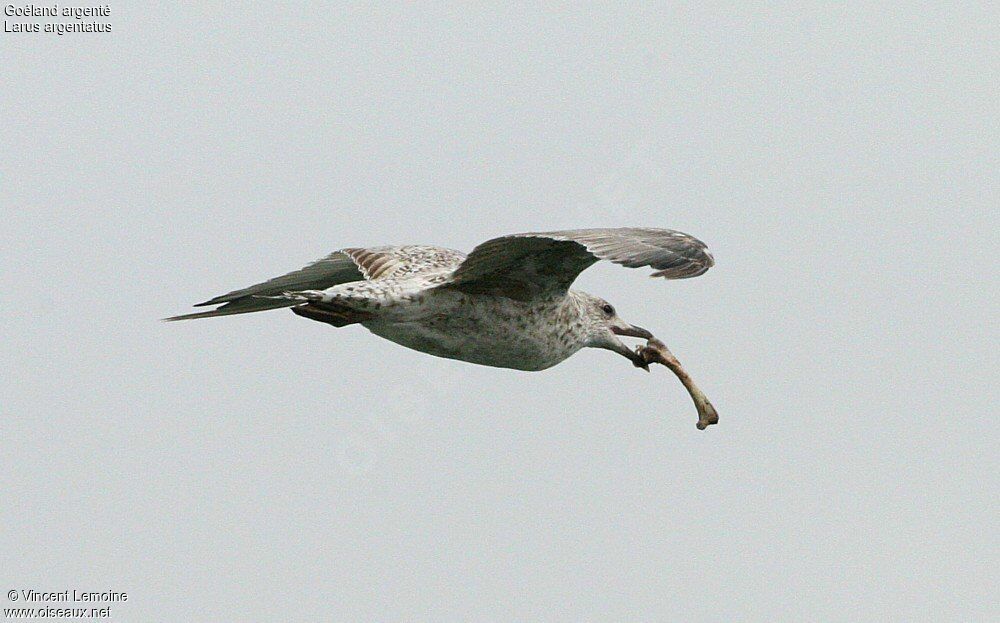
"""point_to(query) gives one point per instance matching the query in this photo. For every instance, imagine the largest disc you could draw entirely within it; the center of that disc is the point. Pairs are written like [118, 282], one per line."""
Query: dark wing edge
[343, 266]
[672, 254]
[337, 267]
[554, 259]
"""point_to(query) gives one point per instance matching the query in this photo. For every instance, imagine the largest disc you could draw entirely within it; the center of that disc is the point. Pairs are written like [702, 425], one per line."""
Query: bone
[656, 351]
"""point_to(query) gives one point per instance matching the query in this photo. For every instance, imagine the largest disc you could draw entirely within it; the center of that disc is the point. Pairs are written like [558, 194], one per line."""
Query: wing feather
[343, 266]
[522, 265]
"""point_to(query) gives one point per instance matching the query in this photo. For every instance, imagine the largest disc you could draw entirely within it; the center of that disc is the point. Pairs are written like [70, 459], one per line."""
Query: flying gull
[506, 304]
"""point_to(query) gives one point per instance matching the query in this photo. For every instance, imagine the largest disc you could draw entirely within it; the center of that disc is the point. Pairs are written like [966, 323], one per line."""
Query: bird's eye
[608, 309]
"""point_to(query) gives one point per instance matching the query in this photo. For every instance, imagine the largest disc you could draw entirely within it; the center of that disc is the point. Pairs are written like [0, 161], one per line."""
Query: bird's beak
[632, 331]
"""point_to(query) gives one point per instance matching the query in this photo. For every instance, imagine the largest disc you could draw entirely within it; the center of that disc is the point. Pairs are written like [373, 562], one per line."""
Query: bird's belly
[491, 343]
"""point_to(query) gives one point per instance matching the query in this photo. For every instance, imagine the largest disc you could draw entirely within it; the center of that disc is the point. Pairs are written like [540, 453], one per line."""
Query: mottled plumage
[507, 304]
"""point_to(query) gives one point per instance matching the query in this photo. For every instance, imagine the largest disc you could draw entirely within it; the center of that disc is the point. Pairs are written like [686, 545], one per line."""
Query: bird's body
[486, 330]
[507, 304]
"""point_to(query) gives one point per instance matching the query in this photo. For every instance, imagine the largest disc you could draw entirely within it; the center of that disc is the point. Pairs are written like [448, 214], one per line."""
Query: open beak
[632, 331]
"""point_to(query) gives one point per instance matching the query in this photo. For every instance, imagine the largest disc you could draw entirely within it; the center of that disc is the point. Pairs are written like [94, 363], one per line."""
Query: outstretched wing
[346, 265]
[521, 266]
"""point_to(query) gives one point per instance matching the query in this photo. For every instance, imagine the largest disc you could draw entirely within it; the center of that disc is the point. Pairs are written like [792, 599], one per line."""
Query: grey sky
[840, 160]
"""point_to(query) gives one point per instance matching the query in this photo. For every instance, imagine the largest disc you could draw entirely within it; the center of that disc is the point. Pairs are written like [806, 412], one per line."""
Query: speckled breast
[487, 330]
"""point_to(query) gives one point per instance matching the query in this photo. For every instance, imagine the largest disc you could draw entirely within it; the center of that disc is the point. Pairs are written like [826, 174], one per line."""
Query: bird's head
[604, 328]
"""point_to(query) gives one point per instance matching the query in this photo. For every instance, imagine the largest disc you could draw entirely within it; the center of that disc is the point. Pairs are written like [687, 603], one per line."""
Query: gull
[507, 304]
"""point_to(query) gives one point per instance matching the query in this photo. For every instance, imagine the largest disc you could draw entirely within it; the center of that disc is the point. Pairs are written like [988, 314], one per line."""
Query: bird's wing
[343, 266]
[521, 266]
[401, 262]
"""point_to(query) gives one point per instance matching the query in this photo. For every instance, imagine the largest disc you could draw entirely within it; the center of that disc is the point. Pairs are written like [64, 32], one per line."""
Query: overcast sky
[840, 160]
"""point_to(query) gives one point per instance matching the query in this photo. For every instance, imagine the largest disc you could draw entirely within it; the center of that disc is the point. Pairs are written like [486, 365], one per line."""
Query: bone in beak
[632, 331]
[634, 356]
[656, 351]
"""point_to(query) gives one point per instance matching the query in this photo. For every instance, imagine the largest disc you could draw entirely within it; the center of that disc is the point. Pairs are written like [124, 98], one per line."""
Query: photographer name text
[67, 595]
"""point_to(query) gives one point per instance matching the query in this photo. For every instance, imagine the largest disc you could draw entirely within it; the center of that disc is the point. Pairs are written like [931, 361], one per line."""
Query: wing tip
[212, 301]
[176, 318]
[204, 314]
[694, 268]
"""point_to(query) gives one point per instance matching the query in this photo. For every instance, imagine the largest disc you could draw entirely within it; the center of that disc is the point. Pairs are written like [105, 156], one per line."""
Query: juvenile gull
[506, 304]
